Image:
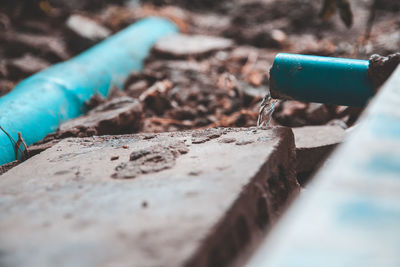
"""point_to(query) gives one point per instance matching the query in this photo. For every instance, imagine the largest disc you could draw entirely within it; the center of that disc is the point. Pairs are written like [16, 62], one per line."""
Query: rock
[290, 113]
[138, 82]
[338, 122]
[119, 115]
[49, 47]
[210, 23]
[155, 98]
[20, 68]
[95, 101]
[180, 45]
[85, 32]
[259, 36]
[317, 113]
[348, 115]
[181, 204]
[183, 113]
[137, 88]
[279, 36]
[296, 114]
[116, 116]
[313, 146]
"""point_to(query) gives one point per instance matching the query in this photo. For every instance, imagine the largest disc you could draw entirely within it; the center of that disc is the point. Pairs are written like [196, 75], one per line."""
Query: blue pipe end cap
[318, 79]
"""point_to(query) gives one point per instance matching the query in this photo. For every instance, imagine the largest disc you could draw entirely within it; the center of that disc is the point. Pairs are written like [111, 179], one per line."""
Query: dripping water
[266, 109]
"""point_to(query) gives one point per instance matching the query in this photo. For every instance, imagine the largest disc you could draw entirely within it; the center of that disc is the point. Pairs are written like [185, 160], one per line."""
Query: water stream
[266, 109]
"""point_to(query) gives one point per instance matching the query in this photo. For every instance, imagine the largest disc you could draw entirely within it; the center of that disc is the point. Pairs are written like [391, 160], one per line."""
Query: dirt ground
[221, 87]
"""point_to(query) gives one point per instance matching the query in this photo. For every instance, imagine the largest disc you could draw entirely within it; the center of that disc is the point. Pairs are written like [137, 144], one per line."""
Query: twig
[15, 147]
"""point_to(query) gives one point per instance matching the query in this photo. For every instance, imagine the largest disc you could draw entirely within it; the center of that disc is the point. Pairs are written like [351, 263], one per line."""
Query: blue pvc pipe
[38, 104]
[328, 80]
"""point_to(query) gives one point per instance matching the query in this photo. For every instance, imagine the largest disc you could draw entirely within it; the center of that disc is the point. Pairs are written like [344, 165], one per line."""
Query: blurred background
[222, 87]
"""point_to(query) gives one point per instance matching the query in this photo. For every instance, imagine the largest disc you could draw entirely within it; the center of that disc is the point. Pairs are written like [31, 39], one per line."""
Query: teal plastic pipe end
[40, 103]
[318, 79]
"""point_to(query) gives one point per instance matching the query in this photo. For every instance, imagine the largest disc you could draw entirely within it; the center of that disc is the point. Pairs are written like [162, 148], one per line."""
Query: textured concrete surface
[5, 167]
[314, 144]
[350, 213]
[196, 199]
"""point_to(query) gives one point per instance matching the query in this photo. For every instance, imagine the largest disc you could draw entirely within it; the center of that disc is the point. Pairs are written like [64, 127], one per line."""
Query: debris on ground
[117, 116]
[51, 48]
[180, 45]
[85, 32]
[8, 166]
[28, 64]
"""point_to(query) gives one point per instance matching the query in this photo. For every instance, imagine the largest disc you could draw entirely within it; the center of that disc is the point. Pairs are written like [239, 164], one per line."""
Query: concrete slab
[172, 199]
[350, 213]
[313, 145]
